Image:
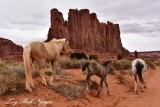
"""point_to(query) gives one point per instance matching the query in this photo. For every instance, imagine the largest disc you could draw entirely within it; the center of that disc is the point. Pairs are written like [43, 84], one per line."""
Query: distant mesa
[147, 54]
[86, 33]
[9, 50]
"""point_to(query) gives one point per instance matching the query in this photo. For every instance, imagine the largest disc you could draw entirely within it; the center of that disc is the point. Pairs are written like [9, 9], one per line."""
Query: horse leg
[106, 84]
[100, 87]
[143, 85]
[54, 67]
[88, 85]
[144, 76]
[31, 80]
[135, 81]
[27, 81]
[44, 82]
[28, 76]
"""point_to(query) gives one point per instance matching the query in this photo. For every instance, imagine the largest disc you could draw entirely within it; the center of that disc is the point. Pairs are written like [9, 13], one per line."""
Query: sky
[24, 21]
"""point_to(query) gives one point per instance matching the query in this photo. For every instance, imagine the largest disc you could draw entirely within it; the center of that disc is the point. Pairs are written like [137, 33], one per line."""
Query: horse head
[65, 45]
[108, 65]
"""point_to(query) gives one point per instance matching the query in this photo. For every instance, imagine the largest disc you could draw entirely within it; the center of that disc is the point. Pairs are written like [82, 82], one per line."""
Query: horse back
[138, 65]
[97, 69]
[38, 50]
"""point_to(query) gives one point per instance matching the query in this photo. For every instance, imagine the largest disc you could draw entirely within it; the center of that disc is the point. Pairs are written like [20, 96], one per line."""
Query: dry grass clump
[48, 73]
[94, 85]
[11, 78]
[120, 79]
[69, 90]
[123, 64]
[58, 72]
[157, 62]
[123, 72]
[71, 63]
[150, 63]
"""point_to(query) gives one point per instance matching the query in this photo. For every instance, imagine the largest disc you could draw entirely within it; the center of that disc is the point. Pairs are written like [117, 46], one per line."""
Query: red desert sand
[122, 94]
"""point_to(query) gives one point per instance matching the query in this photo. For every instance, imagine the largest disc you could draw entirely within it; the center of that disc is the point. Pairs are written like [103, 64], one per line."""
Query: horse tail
[27, 61]
[139, 67]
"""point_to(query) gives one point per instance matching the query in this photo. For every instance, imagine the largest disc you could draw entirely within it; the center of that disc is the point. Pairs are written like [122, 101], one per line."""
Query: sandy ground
[122, 94]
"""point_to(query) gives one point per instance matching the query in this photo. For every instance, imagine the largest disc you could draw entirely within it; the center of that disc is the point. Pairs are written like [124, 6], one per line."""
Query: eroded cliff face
[9, 50]
[86, 33]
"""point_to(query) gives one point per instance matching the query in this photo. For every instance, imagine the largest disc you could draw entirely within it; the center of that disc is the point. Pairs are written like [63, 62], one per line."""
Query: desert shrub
[157, 62]
[120, 78]
[123, 72]
[11, 78]
[2, 65]
[70, 91]
[58, 72]
[94, 85]
[48, 73]
[71, 63]
[150, 63]
[122, 64]
[62, 74]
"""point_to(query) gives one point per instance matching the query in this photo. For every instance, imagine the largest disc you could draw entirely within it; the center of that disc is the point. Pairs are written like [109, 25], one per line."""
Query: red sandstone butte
[85, 32]
[9, 50]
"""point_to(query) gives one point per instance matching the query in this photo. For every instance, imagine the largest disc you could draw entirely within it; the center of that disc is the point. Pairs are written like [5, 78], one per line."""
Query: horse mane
[106, 63]
[57, 40]
[85, 66]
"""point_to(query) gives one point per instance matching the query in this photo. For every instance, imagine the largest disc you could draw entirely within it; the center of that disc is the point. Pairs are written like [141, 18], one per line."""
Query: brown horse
[42, 52]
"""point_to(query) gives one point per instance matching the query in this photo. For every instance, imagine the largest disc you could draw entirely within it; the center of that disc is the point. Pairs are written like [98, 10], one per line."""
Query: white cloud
[140, 43]
[24, 21]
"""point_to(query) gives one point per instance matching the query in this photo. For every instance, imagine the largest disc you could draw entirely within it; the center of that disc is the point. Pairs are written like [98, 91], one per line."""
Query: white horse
[138, 68]
[42, 52]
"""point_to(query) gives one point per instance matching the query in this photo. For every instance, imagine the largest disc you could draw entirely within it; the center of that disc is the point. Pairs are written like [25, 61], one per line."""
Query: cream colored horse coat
[42, 52]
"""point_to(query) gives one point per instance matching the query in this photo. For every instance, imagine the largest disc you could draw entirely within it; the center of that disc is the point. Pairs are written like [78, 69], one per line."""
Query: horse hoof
[109, 94]
[142, 90]
[135, 92]
[56, 78]
[45, 84]
[28, 89]
[145, 86]
[50, 83]
[98, 96]
[88, 91]
[32, 86]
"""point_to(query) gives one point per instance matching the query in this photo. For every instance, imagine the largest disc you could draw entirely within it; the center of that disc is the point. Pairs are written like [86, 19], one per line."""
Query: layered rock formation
[85, 32]
[9, 50]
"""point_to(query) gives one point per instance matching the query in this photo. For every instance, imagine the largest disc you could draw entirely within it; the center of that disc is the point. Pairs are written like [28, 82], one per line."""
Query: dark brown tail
[139, 67]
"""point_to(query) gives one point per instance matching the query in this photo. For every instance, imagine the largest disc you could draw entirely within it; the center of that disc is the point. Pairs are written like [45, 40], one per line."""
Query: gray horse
[94, 68]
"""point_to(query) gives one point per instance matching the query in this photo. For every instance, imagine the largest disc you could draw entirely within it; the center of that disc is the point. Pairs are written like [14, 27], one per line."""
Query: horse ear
[67, 42]
[64, 39]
